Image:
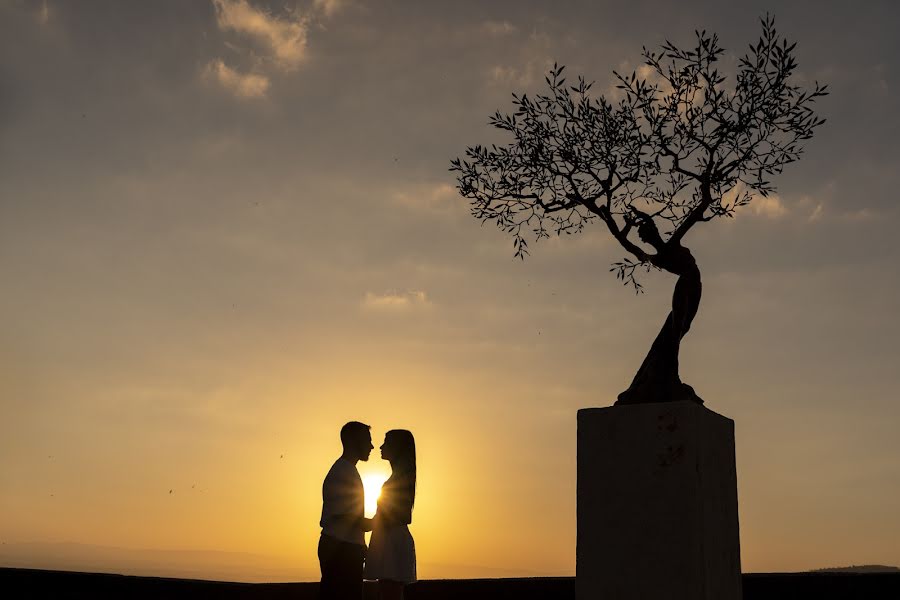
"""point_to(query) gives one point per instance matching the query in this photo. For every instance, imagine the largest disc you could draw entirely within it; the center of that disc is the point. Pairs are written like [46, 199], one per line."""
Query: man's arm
[352, 522]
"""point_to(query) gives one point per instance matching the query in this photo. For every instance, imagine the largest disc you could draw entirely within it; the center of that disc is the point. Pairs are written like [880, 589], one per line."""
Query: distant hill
[188, 564]
[208, 564]
[859, 569]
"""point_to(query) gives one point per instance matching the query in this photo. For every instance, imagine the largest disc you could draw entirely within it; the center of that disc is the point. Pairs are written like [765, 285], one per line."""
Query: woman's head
[399, 447]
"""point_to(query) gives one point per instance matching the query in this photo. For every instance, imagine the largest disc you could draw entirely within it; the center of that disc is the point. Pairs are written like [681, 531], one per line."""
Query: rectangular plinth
[657, 504]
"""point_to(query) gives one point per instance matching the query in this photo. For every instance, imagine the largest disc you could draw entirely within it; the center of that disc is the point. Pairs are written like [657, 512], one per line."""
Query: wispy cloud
[269, 42]
[813, 208]
[328, 7]
[770, 207]
[532, 65]
[863, 214]
[498, 28]
[439, 198]
[43, 15]
[808, 208]
[395, 301]
[284, 38]
[507, 75]
[817, 212]
[642, 72]
[242, 85]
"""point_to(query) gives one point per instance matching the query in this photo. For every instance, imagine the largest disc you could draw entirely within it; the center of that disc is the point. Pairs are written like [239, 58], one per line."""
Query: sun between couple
[391, 556]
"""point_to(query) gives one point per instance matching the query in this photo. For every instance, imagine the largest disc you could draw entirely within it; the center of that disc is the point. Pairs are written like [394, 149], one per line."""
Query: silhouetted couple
[391, 556]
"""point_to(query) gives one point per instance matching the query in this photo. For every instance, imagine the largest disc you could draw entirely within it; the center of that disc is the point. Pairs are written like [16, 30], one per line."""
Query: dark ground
[29, 583]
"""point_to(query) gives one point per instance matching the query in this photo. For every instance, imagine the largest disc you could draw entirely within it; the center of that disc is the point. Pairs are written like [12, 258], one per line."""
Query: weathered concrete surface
[657, 504]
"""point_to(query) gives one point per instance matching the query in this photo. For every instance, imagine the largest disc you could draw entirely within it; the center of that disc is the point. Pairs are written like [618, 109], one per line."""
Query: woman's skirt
[392, 554]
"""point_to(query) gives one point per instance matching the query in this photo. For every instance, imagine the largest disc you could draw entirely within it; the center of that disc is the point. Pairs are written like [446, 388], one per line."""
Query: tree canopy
[683, 143]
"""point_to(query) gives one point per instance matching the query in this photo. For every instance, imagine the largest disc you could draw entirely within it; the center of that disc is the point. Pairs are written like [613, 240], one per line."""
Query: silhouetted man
[342, 547]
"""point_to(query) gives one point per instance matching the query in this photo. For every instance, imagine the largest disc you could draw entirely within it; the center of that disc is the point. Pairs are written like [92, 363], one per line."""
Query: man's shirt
[343, 503]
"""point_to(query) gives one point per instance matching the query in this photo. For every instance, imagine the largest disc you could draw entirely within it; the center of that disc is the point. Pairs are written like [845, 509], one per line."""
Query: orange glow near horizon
[208, 271]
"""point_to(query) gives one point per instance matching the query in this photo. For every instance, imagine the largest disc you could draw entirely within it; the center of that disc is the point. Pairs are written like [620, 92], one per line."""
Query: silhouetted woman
[392, 553]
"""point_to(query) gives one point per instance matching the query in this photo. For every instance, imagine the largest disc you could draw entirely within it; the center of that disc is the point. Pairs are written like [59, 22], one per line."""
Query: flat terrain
[31, 583]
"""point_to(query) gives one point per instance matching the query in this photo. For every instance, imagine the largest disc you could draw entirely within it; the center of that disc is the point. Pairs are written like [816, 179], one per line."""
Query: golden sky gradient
[226, 228]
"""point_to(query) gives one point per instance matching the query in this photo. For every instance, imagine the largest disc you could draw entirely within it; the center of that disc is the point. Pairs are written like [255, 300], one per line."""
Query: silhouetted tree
[683, 145]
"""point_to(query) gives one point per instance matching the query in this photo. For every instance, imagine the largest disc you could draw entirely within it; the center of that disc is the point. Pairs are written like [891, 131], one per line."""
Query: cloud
[285, 38]
[440, 198]
[817, 212]
[43, 16]
[535, 58]
[863, 214]
[498, 28]
[641, 71]
[770, 207]
[813, 208]
[809, 208]
[327, 7]
[242, 85]
[526, 75]
[395, 301]
[278, 42]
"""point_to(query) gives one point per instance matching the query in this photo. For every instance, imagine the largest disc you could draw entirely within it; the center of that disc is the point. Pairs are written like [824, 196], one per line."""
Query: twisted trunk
[657, 380]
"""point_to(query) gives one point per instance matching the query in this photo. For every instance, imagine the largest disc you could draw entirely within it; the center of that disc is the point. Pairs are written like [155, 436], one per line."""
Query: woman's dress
[392, 551]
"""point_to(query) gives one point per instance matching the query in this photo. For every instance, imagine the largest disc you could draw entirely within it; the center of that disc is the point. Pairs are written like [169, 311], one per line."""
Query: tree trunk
[657, 380]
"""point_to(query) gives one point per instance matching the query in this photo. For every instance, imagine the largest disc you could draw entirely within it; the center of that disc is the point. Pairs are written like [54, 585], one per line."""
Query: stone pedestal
[657, 504]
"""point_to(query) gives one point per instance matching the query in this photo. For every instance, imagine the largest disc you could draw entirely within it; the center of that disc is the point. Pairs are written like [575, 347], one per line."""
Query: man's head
[357, 441]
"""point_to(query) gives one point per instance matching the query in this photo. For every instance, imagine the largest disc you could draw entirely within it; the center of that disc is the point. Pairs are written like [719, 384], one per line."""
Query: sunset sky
[227, 227]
